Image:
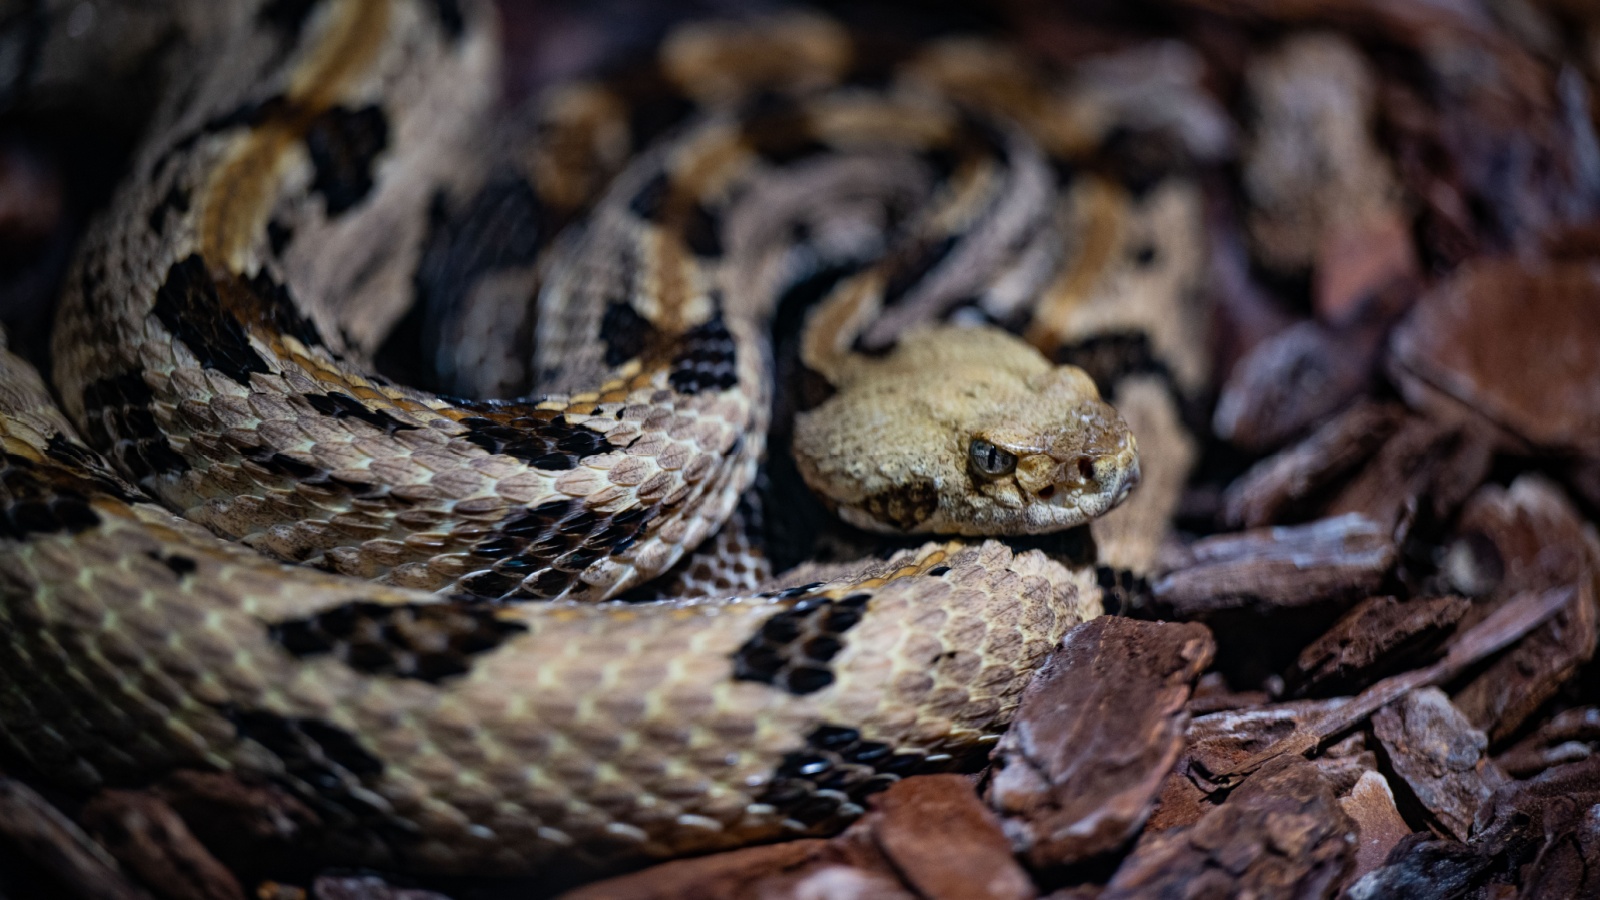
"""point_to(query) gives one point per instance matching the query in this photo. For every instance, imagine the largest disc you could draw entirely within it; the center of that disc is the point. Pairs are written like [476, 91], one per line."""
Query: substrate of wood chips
[1363, 667]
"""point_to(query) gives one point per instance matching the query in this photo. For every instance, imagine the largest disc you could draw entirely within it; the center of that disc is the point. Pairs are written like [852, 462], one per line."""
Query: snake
[228, 544]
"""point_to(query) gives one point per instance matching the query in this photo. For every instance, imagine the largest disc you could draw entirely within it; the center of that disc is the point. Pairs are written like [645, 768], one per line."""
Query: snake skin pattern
[437, 679]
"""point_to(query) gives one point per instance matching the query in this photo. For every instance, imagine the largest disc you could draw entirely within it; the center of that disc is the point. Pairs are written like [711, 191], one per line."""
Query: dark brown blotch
[181, 566]
[448, 12]
[339, 405]
[189, 307]
[540, 438]
[119, 414]
[625, 333]
[423, 641]
[344, 145]
[538, 553]
[87, 465]
[780, 132]
[904, 268]
[707, 359]
[287, 17]
[1111, 356]
[794, 648]
[904, 506]
[325, 766]
[37, 498]
[175, 200]
[826, 782]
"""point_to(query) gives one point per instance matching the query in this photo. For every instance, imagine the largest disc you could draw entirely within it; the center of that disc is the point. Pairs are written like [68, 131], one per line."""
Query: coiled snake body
[438, 681]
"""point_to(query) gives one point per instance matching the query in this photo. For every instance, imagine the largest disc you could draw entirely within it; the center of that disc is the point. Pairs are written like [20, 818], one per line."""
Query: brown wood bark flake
[1376, 637]
[1280, 834]
[149, 838]
[1440, 756]
[1097, 731]
[1330, 559]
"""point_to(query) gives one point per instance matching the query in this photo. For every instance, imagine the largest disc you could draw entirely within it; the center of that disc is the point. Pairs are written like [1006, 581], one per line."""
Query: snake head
[966, 431]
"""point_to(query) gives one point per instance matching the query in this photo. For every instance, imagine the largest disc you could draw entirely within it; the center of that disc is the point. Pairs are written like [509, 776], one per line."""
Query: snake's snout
[1095, 482]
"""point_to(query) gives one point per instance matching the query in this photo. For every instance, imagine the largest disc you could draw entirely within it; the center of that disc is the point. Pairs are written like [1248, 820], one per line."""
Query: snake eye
[990, 461]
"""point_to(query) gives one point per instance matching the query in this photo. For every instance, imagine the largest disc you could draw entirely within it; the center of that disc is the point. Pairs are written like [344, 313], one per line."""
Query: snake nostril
[1085, 468]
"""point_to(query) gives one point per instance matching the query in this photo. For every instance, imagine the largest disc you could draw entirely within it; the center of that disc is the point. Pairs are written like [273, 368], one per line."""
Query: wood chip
[143, 832]
[945, 843]
[1570, 736]
[724, 876]
[1217, 743]
[1510, 343]
[58, 849]
[1425, 468]
[1280, 834]
[1440, 756]
[1379, 825]
[1376, 637]
[1569, 866]
[1539, 542]
[1331, 559]
[1422, 866]
[1364, 262]
[1507, 625]
[1291, 382]
[1095, 735]
[1540, 832]
[928, 836]
[1281, 486]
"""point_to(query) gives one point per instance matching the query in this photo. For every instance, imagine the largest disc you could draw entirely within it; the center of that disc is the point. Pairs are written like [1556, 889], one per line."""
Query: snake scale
[438, 678]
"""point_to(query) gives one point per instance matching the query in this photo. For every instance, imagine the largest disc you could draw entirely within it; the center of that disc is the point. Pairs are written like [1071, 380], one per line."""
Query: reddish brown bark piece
[1440, 756]
[1546, 819]
[260, 826]
[1570, 736]
[1540, 833]
[1097, 731]
[1376, 637]
[944, 842]
[1538, 541]
[1278, 484]
[1518, 683]
[1513, 343]
[1379, 826]
[149, 838]
[1212, 694]
[1219, 741]
[77, 866]
[1424, 467]
[1280, 834]
[1363, 263]
[1265, 568]
[1291, 381]
[1507, 625]
[732, 875]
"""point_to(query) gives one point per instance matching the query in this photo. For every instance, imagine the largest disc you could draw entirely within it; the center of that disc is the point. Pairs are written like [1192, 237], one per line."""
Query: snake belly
[213, 343]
